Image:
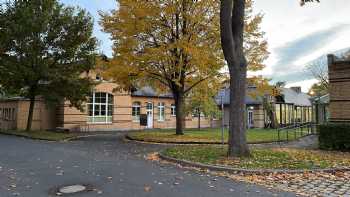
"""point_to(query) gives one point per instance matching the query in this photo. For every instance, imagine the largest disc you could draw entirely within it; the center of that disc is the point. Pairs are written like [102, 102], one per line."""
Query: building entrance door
[250, 119]
[149, 110]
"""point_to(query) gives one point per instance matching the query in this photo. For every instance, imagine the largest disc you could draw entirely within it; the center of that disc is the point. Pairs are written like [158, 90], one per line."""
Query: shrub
[334, 136]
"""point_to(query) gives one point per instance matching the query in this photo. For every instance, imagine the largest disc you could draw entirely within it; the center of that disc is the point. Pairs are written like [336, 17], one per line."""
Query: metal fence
[296, 131]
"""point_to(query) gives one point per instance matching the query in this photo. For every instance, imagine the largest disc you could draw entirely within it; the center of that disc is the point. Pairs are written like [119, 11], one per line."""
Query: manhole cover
[71, 189]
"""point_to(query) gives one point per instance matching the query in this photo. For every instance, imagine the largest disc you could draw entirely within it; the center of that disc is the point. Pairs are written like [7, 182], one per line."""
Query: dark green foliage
[334, 137]
[44, 49]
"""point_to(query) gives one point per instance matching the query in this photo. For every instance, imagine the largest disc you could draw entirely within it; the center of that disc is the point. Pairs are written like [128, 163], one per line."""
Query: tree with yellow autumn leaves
[174, 46]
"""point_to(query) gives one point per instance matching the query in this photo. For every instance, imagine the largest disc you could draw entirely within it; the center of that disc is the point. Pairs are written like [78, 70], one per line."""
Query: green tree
[232, 26]
[202, 100]
[44, 49]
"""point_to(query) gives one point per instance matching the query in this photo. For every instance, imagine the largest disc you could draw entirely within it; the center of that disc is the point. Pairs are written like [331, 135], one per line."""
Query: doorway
[250, 119]
[149, 111]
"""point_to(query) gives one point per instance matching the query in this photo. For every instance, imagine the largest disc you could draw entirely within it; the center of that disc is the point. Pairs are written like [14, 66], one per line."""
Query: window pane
[110, 99]
[97, 110]
[103, 110]
[103, 98]
[110, 110]
[278, 113]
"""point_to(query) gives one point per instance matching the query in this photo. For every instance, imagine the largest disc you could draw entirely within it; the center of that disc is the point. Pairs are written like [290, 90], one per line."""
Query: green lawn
[262, 158]
[209, 135]
[40, 135]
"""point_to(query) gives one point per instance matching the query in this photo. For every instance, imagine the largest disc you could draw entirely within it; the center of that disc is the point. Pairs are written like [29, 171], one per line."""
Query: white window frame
[96, 119]
[161, 112]
[136, 105]
[173, 110]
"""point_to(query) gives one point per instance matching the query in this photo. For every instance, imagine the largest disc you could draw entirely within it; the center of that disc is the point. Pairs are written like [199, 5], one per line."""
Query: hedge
[334, 136]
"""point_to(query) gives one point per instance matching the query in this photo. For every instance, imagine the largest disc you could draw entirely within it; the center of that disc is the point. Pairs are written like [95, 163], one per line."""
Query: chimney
[296, 89]
[331, 59]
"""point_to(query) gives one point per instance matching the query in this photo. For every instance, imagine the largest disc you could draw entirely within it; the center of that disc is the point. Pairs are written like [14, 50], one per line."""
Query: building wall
[339, 78]
[43, 115]
[8, 115]
[258, 116]
[75, 120]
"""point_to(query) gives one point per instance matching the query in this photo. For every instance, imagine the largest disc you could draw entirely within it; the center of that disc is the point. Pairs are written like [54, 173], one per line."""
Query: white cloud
[286, 23]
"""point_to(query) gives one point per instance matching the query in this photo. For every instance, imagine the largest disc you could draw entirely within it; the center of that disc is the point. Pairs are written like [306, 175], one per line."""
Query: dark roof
[15, 98]
[297, 98]
[148, 91]
[249, 100]
[289, 95]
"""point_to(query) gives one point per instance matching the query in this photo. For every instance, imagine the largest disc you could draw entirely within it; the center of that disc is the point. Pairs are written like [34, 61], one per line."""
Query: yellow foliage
[164, 43]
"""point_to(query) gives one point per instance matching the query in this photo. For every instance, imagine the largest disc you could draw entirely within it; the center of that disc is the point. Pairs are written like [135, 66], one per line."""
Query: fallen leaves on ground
[147, 188]
[153, 156]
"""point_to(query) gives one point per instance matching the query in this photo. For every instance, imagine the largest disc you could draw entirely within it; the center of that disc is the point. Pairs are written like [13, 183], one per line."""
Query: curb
[128, 137]
[86, 136]
[246, 171]
[31, 138]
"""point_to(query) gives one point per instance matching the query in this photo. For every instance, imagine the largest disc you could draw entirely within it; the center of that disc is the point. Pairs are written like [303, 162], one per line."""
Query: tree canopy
[174, 45]
[44, 49]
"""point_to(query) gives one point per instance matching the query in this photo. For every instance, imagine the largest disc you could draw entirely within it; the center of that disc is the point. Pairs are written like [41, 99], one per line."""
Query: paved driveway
[112, 167]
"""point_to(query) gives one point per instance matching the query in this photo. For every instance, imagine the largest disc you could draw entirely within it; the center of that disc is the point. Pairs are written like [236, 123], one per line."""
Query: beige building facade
[339, 91]
[105, 110]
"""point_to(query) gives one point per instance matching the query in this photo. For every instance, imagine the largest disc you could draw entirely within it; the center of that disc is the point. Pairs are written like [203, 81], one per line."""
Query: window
[278, 113]
[136, 109]
[100, 107]
[161, 112]
[173, 110]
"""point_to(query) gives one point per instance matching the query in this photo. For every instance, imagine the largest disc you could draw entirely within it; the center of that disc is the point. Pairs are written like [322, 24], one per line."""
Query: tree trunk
[199, 119]
[237, 136]
[232, 27]
[179, 109]
[31, 110]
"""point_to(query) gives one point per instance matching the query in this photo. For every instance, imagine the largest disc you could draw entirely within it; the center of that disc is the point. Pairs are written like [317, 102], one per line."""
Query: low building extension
[291, 107]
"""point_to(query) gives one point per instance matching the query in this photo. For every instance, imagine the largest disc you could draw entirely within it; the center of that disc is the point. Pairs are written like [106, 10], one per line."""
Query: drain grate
[71, 189]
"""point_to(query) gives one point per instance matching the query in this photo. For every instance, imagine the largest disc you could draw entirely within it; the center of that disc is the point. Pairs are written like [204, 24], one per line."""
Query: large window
[136, 110]
[161, 113]
[100, 107]
[173, 110]
[278, 113]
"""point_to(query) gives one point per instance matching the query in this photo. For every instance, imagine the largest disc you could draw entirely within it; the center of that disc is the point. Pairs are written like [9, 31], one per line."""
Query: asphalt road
[109, 166]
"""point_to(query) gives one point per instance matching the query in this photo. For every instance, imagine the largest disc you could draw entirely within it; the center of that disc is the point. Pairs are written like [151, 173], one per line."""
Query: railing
[296, 131]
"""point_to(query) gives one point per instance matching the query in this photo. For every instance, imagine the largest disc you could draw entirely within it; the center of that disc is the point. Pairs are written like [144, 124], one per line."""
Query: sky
[296, 35]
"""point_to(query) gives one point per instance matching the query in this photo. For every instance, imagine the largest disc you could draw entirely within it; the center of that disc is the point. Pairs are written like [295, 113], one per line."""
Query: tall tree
[319, 71]
[44, 49]
[170, 45]
[232, 14]
[174, 46]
